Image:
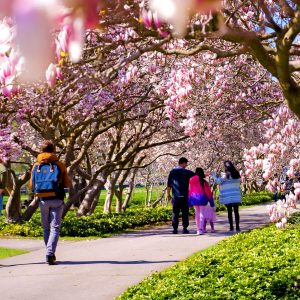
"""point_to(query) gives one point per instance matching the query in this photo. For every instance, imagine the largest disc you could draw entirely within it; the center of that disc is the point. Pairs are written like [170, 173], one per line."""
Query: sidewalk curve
[102, 269]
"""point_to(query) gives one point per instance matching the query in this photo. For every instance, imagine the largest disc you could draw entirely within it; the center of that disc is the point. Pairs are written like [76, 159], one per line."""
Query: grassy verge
[8, 252]
[261, 264]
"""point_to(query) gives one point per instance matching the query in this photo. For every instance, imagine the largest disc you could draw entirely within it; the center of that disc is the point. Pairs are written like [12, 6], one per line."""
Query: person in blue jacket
[178, 183]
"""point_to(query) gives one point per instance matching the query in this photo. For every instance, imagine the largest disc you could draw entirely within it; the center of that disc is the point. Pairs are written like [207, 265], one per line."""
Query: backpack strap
[44, 162]
[51, 163]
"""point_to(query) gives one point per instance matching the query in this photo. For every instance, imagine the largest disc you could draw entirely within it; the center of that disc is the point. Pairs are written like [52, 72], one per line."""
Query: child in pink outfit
[199, 197]
[208, 215]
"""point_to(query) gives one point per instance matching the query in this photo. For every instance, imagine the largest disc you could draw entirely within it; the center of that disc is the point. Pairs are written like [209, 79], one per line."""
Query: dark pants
[180, 203]
[235, 207]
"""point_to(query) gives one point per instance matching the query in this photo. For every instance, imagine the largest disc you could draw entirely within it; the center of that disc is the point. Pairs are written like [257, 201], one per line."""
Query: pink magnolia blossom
[297, 185]
[6, 37]
[62, 41]
[59, 73]
[290, 173]
[156, 20]
[280, 225]
[146, 17]
[76, 41]
[51, 74]
[34, 24]
[9, 149]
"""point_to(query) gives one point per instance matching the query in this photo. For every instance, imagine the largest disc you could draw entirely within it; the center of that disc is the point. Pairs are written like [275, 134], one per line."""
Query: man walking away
[48, 180]
[178, 183]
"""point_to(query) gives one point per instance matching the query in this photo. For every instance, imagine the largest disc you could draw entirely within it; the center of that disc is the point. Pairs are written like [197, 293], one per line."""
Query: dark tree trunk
[13, 206]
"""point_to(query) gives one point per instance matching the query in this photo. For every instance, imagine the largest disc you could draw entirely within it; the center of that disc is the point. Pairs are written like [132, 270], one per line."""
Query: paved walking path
[102, 269]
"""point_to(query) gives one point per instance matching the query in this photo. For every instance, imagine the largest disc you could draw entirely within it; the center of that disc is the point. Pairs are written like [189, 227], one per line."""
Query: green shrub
[31, 228]
[262, 264]
[257, 198]
[295, 219]
[97, 224]
[250, 199]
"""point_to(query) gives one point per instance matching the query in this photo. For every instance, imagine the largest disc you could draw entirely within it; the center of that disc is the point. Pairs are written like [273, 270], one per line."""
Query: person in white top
[230, 192]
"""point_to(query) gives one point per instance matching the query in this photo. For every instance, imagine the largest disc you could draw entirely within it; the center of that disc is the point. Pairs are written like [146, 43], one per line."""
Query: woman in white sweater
[230, 192]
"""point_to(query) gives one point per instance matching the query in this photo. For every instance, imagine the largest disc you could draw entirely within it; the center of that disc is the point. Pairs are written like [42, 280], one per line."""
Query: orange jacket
[53, 158]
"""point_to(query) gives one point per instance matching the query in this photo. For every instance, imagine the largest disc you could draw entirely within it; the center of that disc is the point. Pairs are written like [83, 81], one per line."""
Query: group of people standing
[190, 189]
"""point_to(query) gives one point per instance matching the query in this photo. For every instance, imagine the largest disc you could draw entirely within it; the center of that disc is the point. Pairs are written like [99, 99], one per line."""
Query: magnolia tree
[276, 157]
[79, 110]
[267, 30]
[125, 151]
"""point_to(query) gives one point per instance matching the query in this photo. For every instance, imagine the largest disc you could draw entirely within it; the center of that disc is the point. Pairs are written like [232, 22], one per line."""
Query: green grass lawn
[138, 197]
[137, 200]
[8, 252]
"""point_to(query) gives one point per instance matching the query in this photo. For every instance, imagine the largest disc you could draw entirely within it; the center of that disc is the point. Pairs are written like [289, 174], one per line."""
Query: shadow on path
[115, 262]
[247, 222]
[15, 265]
[94, 262]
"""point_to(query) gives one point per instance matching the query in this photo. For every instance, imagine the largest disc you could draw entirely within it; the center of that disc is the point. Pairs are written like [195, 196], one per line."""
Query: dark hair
[230, 168]
[201, 175]
[182, 160]
[48, 146]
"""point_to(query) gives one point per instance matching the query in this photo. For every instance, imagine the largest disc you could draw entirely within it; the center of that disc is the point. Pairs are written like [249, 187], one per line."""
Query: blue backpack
[46, 180]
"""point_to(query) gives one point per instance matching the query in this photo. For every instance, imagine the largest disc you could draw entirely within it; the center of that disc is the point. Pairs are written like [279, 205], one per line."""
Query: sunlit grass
[8, 252]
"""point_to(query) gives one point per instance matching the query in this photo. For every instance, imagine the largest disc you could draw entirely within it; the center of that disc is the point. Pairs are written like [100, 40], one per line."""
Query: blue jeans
[1, 203]
[51, 213]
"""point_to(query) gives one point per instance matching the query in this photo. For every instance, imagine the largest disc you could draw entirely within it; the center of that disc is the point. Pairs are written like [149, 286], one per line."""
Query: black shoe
[238, 230]
[50, 259]
[231, 229]
[185, 231]
[175, 231]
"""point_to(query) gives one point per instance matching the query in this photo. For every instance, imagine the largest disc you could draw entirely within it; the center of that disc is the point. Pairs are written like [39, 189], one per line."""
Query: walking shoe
[213, 231]
[50, 259]
[238, 230]
[231, 229]
[185, 231]
[175, 231]
[200, 232]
